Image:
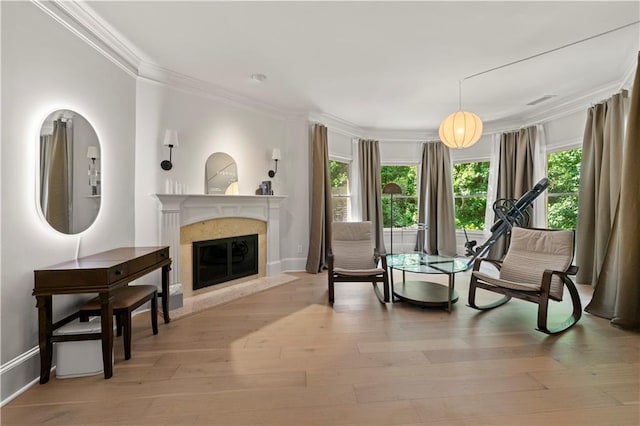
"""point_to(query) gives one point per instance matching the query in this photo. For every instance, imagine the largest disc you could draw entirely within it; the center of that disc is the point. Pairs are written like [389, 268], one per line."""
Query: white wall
[206, 125]
[44, 68]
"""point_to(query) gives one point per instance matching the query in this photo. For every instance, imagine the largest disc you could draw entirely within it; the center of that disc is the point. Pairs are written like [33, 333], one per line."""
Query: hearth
[224, 259]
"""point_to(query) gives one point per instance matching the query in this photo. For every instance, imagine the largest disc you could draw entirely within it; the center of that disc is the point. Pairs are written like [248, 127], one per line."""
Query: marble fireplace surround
[180, 210]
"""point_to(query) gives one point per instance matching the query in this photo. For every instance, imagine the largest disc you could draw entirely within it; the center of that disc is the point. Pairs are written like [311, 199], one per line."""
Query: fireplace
[224, 259]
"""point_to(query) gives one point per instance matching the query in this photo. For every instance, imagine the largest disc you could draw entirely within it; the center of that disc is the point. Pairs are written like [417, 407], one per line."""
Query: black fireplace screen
[224, 259]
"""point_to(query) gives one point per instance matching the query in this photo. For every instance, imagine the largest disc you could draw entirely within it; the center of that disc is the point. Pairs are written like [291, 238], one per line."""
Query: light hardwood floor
[286, 357]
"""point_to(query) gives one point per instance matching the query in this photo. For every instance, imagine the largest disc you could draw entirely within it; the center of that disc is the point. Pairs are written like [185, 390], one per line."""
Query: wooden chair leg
[127, 334]
[119, 324]
[472, 298]
[154, 313]
[575, 316]
[331, 290]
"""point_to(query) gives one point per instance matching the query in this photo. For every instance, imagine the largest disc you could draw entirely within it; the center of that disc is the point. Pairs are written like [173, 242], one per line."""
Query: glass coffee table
[425, 293]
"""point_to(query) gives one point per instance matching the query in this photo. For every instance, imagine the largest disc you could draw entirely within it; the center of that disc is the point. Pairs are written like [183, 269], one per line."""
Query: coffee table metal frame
[425, 293]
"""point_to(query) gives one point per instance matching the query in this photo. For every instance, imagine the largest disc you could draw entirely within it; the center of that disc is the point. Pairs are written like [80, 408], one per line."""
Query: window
[470, 182]
[563, 171]
[405, 206]
[340, 195]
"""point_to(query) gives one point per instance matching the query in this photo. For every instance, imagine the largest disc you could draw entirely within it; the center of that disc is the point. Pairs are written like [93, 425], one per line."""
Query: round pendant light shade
[460, 130]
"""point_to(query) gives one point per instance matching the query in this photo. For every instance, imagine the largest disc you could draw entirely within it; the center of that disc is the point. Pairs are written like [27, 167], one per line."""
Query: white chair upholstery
[353, 257]
[536, 268]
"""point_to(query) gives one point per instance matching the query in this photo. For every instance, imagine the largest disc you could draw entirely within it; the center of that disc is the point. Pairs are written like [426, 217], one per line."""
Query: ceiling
[387, 65]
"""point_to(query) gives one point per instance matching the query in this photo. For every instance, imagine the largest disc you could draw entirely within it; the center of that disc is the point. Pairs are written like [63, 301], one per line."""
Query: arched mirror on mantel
[221, 174]
[68, 172]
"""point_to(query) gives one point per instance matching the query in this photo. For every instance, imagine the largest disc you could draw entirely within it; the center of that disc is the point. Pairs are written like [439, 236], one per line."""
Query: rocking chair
[536, 268]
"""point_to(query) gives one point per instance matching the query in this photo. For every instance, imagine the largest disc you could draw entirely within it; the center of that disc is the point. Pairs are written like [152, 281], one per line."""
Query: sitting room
[297, 213]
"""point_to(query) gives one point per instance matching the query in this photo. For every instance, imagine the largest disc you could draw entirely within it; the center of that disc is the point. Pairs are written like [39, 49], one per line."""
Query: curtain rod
[551, 50]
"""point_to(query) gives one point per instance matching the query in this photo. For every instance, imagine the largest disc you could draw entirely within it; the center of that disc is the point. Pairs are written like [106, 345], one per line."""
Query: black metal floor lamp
[392, 189]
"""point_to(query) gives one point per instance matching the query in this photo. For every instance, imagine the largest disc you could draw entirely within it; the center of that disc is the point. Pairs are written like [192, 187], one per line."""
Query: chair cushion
[531, 251]
[358, 272]
[352, 246]
[490, 279]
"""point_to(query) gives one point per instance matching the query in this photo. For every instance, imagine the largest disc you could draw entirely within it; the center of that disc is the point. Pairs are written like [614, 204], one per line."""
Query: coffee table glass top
[426, 263]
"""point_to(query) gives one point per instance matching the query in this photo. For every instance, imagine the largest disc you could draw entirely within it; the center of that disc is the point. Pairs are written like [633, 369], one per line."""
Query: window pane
[470, 182]
[563, 171]
[563, 211]
[340, 196]
[405, 211]
[405, 206]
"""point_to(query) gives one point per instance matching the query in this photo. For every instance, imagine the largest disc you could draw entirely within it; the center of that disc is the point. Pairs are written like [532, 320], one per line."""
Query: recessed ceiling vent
[541, 99]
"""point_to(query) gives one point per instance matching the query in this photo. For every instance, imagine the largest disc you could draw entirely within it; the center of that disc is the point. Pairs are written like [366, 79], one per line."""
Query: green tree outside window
[405, 206]
[563, 171]
[470, 182]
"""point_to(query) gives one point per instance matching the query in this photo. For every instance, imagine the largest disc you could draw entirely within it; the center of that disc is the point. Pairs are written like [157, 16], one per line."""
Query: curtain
[539, 216]
[321, 209]
[55, 170]
[617, 290]
[371, 188]
[436, 207]
[600, 174]
[515, 174]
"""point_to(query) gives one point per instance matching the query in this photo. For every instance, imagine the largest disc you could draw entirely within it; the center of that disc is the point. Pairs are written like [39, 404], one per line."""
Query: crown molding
[83, 22]
[164, 76]
[79, 18]
[336, 124]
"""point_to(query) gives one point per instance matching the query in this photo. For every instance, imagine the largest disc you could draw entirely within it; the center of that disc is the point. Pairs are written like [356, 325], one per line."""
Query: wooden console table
[99, 273]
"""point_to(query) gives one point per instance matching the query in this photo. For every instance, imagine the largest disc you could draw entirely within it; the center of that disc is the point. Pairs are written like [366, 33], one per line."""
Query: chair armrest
[478, 261]
[380, 257]
[573, 269]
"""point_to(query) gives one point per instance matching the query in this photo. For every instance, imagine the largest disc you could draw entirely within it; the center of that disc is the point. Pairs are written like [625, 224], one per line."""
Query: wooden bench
[126, 300]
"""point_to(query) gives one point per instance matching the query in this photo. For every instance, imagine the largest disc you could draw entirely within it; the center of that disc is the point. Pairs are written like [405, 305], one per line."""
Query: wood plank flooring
[286, 357]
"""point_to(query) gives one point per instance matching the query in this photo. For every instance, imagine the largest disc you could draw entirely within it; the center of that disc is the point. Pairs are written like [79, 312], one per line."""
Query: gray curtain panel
[436, 208]
[600, 174]
[371, 188]
[617, 287]
[321, 208]
[515, 175]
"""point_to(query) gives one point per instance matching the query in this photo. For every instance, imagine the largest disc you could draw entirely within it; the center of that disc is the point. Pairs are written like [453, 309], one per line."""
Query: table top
[105, 259]
[423, 263]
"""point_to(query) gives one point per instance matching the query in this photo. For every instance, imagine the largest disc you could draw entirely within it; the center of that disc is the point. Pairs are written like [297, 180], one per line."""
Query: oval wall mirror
[69, 172]
[221, 174]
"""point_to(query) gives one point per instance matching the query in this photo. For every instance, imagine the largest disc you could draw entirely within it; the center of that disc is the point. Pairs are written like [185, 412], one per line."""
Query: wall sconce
[170, 140]
[93, 153]
[275, 156]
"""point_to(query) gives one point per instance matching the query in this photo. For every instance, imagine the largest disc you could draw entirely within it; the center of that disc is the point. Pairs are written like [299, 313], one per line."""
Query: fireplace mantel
[177, 210]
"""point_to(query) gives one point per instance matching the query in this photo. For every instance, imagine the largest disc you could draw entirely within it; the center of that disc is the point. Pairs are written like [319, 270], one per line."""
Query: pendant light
[462, 128]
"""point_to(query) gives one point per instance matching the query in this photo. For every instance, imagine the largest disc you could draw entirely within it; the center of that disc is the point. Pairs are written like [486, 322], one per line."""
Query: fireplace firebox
[224, 259]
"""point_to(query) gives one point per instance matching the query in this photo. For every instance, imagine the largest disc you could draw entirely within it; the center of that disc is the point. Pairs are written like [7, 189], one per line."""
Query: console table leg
[165, 293]
[45, 325]
[106, 316]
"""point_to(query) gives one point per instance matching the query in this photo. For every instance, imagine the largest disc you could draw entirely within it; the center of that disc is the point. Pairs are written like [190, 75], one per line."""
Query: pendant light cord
[551, 50]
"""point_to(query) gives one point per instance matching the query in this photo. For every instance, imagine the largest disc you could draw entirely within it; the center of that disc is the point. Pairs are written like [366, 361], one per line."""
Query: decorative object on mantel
[275, 156]
[94, 181]
[170, 140]
[265, 188]
[221, 174]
